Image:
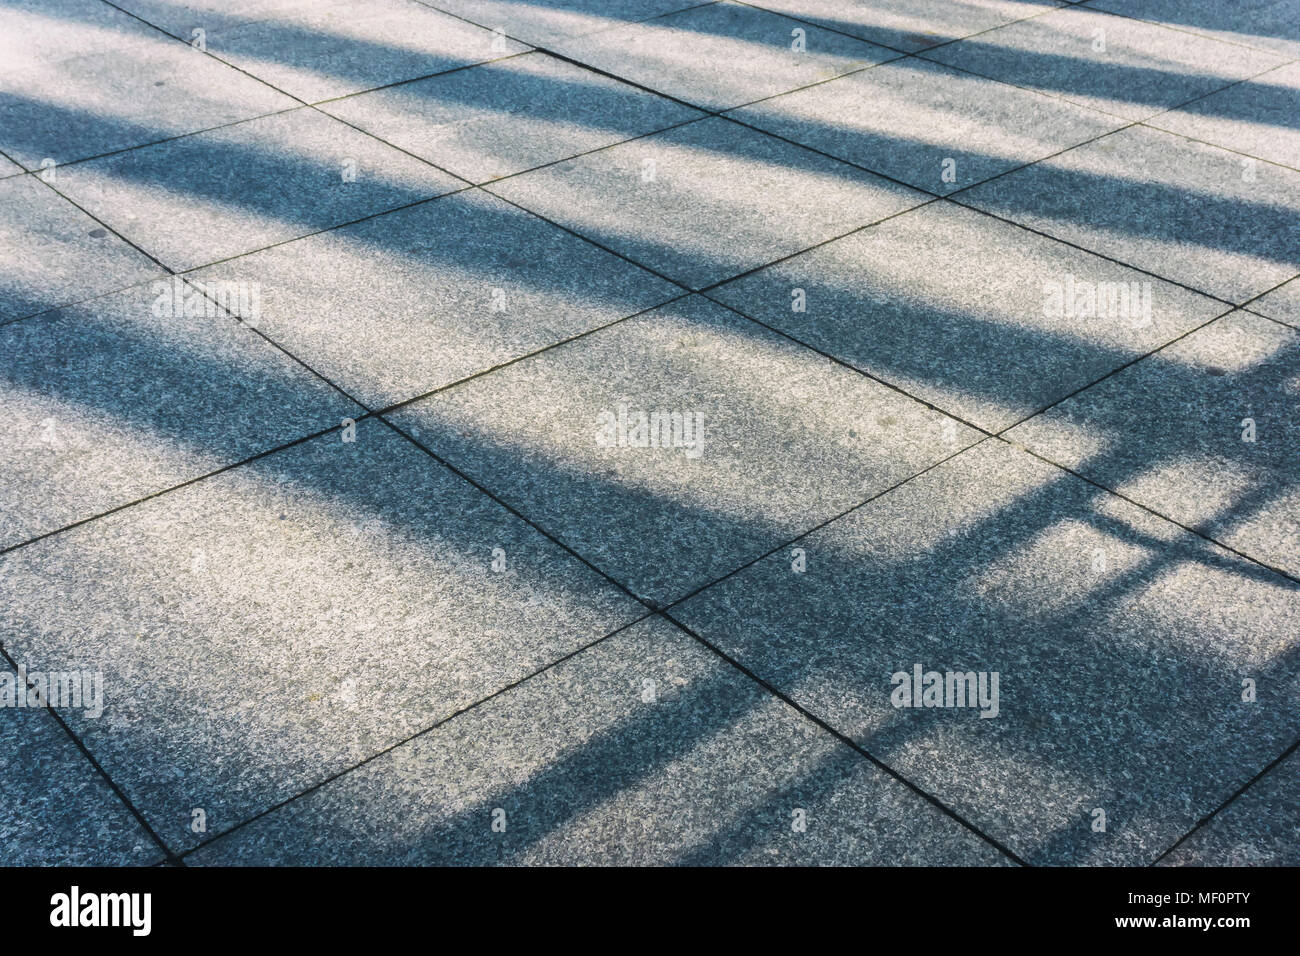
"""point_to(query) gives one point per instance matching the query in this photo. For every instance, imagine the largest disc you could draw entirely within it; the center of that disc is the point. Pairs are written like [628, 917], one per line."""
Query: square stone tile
[53, 253]
[266, 628]
[1267, 24]
[723, 54]
[977, 316]
[1283, 303]
[114, 88]
[214, 195]
[122, 397]
[1120, 644]
[34, 33]
[1260, 117]
[55, 808]
[1188, 212]
[1259, 828]
[502, 118]
[932, 127]
[786, 439]
[654, 752]
[1172, 433]
[1116, 64]
[910, 25]
[401, 304]
[319, 52]
[707, 201]
[545, 21]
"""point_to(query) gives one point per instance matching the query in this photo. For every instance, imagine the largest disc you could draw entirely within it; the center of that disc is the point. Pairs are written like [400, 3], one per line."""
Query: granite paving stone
[1204, 432]
[1266, 24]
[707, 201]
[85, 432]
[503, 118]
[1119, 641]
[773, 439]
[654, 752]
[266, 628]
[1186, 211]
[414, 300]
[547, 21]
[1282, 303]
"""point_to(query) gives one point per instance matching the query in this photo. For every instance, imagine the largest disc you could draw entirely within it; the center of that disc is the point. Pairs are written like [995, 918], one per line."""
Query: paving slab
[9, 169]
[1265, 24]
[86, 431]
[979, 317]
[55, 808]
[1260, 117]
[1259, 828]
[786, 439]
[319, 52]
[932, 127]
[268, 627]
[467, 282]
[35, 33]
[1186, 211]
[724, 54]
[54, 253]
[654, 752]
[1120, 645]
[503, 118]
[545, 21]
[111, 89]
[707, 201]
[203, 198]
[1117, 64]
[909, 25]
[213, 17]
[1283, 303]
[1203, 432]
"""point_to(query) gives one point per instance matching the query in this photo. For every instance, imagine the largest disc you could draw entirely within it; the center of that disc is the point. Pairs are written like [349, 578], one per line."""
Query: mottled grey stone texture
[55, 809]
[503, 118]
[1259, 828]
[1265, 24]
[547, 21]
[1282, 303]
[932, 127]
[723, 54]
[273, 625]
[84, 431]
[54, 254]
[1120, 642]
[1181, 209]
[708, 200]
[654, 751]
[789, 439]
[401, 304]
[1171, 433]
[1124, 66]
[956, 308]
[214, 195]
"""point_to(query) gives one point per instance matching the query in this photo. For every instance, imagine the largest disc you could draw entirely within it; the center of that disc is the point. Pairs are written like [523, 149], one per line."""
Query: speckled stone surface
[1173, 433]
[84, 431]
[707, 201]
[277, 623]
[654, 751]
[503, 118]
[55, 809]
[931, 127]
[1283, 303]
[910, 25]
[1124, 66]
[214, 195]
[1257, 118]
[1259, 828]
[1181, 209]
[326, 50]
[54, 253]
[789, 439]
[546, 21]
[956, 308]
[1265, 24]
[1121, 644]
[104, 81]
[723, 54]
[466, 282]
[9, 169]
